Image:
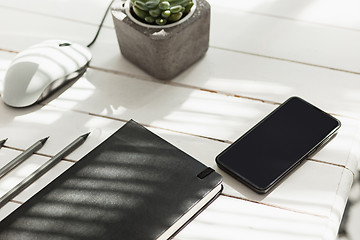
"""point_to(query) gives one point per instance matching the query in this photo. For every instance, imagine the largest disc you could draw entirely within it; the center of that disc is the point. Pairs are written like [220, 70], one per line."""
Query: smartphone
[277, 144]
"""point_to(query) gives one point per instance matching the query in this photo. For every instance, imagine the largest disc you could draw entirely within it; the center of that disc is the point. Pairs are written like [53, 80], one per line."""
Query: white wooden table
[261, 52]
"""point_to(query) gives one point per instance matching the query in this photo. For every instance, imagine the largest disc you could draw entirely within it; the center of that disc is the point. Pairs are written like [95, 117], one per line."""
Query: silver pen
[42, 169]
[22, 157]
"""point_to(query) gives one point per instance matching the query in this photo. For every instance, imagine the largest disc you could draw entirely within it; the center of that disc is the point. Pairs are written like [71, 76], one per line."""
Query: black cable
[101, 24]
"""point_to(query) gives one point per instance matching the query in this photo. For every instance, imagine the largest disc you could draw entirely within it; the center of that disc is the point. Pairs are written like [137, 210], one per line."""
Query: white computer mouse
[41, 69]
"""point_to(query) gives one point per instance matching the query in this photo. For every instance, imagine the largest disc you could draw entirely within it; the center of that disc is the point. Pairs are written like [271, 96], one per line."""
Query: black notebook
[134, 185]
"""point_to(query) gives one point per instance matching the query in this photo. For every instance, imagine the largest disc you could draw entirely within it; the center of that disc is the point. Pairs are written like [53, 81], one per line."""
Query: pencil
[42, 169]
[2, 142]
[22, 157]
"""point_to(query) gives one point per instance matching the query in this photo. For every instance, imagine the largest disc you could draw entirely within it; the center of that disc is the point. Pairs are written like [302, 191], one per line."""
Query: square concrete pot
[163, 51]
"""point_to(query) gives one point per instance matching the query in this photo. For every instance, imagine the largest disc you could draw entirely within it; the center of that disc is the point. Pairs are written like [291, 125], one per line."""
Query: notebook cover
[134, 185]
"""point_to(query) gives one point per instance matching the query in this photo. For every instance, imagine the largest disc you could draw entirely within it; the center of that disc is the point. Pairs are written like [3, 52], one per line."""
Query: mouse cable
[101, 24]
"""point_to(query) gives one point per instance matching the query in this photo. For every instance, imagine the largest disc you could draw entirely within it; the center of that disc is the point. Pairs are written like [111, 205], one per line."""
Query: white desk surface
[261, 52]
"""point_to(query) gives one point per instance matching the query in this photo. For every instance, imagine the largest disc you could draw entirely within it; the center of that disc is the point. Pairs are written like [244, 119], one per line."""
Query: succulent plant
[161, 12]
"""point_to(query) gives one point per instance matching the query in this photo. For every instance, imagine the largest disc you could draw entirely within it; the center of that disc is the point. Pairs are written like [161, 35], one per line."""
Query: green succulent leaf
[176, 9]
[152, 4]
[140, 13]
[175, 17]
[188, 7]
[149, 19]
[141, 5]
[160, 21]
[155, 12]
[161, 12]
[166, 13]
[180, 2]
[164, 5]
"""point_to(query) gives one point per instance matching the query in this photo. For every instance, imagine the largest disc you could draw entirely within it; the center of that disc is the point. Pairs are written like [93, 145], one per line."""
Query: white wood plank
[346, 138]
[186, 110]
[228, 218]
[285, 39]
[23, 29]
[310, 189]
[342, 14]
[274, 80]
[279, 38]
[250, 76]
[261, 78]
[84, 11]
[255, 77]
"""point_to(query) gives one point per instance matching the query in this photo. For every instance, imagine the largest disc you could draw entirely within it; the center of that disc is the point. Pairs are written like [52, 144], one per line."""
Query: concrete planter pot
[163, 51]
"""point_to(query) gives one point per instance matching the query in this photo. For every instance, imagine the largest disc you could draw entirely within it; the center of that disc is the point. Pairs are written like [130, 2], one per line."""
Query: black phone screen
[278, 143]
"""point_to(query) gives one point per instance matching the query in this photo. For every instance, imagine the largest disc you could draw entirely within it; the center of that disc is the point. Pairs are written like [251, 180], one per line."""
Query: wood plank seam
[148, 78]
[176, 84]
[165, 129]
[334, 164]
[274, 206]
[9, 51]
[287, 60]
[291, 19]
[180, 132]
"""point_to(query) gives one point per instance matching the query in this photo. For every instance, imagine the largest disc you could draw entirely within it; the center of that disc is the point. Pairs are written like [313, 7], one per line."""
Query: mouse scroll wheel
[64, 44]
